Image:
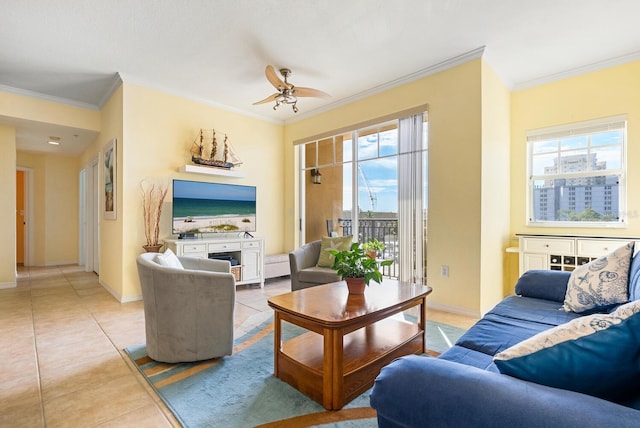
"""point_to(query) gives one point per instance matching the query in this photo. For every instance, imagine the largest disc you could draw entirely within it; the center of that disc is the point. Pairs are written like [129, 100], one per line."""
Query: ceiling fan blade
[309, 92]
[268, 99]
[273, 78]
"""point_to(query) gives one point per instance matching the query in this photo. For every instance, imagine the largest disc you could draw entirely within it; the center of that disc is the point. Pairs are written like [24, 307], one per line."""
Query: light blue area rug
[241, 391]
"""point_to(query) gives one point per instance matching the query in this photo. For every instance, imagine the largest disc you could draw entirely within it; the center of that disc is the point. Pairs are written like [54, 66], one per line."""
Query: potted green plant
[357, 268]
[373, 247]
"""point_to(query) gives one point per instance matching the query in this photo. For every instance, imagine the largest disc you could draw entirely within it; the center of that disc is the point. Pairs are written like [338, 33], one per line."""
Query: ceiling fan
[287, 92]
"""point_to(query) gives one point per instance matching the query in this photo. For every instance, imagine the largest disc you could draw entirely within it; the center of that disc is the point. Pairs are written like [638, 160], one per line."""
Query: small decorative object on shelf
[153, 195]
[214, 157]
[357, 268]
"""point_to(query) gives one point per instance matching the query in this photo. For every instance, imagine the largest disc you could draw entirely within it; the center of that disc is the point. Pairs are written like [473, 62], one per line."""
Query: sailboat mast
[200, 147]
[214, 146]
[226, 149]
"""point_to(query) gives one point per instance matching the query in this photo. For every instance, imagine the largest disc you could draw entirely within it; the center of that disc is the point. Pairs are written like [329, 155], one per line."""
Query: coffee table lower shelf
[302, 362]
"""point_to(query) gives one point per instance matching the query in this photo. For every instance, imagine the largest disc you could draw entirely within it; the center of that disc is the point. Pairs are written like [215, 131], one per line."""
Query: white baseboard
[111, 291]
[7, 285]
[131, 298]
[453, 309]
[53, 264]
[118, 296]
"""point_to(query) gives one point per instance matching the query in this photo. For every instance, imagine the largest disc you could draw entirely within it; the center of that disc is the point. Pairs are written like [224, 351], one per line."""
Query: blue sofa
[464, 388]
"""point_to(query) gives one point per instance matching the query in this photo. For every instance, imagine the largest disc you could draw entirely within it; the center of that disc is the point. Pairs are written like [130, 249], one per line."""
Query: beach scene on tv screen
[200, 207]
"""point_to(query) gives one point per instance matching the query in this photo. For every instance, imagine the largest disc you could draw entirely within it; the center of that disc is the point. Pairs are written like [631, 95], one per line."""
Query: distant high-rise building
[558, 197]
[576, 163]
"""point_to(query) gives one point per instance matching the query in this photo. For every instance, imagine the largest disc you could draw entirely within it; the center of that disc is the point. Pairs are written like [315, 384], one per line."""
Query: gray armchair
[304, 272]
[188, 312]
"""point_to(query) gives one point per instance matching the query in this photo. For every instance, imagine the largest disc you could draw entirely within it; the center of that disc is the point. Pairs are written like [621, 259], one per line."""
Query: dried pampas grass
[153, 194]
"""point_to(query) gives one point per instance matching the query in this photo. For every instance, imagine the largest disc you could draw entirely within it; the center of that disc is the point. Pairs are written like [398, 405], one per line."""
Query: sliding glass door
[371, 183]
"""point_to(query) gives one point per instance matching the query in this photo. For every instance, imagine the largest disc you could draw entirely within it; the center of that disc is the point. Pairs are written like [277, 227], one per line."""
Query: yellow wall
[608, 92]
[27, 108]
[496, 117]
[455, 200]
[111, 230]
[55, 207]
[158, 132]
[7, 206]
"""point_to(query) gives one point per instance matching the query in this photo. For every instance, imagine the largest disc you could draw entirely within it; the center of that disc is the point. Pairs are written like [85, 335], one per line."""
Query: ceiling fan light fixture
[287, 92]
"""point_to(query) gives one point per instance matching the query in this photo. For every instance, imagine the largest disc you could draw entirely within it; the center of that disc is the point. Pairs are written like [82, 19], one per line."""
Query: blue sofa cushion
[469, 357]
[600, 284]
[493, 333]
[595, 354]
[512, 321]
[543, 284]
[418, 392]
[535, 310]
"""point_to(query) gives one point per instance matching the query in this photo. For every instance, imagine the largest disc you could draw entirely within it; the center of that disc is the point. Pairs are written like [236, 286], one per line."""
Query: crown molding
[596, 66]
[149, 85]
[433, 69]
[115, 84]
[45, 97]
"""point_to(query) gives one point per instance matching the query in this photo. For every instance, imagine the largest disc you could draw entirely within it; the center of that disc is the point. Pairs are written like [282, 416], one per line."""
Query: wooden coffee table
[349, 338]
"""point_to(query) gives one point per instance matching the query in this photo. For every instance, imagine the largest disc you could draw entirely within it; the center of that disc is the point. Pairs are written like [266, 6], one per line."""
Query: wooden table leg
[327, 369]
[422, 323]
[277, 339]
[337, 347]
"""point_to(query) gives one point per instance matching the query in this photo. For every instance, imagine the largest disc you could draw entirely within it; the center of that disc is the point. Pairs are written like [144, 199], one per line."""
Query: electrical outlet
[444, 271]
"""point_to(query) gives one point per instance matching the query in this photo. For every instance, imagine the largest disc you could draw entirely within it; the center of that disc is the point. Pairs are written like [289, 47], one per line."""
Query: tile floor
[61, 358]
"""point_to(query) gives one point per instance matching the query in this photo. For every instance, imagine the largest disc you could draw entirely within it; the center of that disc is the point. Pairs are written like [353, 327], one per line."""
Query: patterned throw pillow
[595, 354]
[600, 284]
[340, 243]
[169, 259]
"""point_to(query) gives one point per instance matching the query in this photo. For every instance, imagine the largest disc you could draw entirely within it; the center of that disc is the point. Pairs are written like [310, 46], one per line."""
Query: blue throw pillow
[600, 284]
[596, 354]
[543, 284]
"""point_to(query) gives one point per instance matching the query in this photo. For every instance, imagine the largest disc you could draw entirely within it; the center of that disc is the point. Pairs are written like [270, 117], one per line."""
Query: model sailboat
[225, 158]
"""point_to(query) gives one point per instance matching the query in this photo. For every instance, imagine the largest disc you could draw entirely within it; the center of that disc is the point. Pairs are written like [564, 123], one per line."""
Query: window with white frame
[577, 174]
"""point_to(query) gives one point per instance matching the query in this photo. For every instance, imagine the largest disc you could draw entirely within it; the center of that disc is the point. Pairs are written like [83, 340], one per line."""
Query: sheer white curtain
[411, 194]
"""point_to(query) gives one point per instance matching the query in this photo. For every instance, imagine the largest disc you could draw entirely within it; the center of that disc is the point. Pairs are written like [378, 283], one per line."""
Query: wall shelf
[210, 171]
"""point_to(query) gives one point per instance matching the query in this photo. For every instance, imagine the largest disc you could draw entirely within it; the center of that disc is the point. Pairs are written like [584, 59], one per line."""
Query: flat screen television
[200, 207]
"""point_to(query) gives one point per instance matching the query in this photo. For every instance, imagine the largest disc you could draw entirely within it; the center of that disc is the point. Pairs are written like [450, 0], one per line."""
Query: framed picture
[110, 182]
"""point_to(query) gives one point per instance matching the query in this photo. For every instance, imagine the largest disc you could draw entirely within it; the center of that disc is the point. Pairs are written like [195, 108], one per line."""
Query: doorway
[90, 217]
[24, 215]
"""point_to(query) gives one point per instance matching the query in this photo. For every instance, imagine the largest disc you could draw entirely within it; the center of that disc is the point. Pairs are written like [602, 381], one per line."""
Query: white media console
[249, 252]
[559, 252]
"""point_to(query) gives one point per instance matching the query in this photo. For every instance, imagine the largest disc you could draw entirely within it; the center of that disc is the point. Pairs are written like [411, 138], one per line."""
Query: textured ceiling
[215, 51]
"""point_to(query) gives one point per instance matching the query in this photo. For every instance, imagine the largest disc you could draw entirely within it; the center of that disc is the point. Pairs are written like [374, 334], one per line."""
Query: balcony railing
[384, 230]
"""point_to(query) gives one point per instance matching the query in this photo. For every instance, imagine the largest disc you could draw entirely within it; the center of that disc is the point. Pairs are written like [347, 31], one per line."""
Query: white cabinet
[534, 261]
[249, 252]
[597, 248]
[548, 245]
[193, 250]
[252, 265]
[564, 252]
